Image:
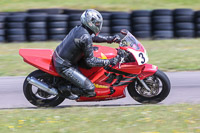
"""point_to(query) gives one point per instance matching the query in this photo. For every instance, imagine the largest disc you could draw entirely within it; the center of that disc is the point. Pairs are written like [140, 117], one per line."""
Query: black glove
[115, 38]
[122, 53]
[114, 60]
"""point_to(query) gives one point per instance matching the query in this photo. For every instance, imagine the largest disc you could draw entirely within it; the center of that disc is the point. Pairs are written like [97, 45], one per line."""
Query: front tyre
[37, 96]
[159, 85]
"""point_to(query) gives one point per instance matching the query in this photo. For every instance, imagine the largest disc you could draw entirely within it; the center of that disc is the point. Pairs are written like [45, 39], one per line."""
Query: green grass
[111, 5]
[168, 55]
[174, 55]
[135, 119]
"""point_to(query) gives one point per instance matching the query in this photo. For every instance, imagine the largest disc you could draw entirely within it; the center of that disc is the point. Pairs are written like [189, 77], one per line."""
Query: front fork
[147, 71]
[144, 84]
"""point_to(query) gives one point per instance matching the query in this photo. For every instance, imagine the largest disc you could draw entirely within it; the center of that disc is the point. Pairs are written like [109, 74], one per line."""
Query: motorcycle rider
[78, 45]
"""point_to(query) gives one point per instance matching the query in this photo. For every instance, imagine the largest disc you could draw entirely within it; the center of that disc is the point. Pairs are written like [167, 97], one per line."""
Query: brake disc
[153, 83]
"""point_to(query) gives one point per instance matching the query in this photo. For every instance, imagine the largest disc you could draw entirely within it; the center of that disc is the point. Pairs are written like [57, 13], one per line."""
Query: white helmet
[93, 20]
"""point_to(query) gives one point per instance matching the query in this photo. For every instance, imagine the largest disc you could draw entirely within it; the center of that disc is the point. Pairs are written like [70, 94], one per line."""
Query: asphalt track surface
[185, 89]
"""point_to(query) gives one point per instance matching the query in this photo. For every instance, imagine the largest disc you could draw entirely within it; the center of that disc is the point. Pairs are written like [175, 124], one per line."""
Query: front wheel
[37, 96]
[159, 85]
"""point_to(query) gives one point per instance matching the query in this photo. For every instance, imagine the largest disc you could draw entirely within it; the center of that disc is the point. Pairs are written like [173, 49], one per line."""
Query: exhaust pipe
[43, 86]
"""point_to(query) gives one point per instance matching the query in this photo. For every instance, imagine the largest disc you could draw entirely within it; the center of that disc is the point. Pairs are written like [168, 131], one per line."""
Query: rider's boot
[73, 93]
[68, 93]
[83, 92]
[89, 88]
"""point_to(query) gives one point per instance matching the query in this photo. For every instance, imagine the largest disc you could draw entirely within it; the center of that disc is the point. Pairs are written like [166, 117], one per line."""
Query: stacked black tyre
[57, 26]
[197, 23]
[141, 23]
[184, 23]
[120, 20]
[37, 27]
[105, 31]
[162, 24]
[16, 28]
[2, 28]
[74, 20]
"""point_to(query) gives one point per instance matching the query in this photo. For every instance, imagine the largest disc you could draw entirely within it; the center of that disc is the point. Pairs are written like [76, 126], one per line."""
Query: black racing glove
[122, 53]
[114, 60]
[115, 38]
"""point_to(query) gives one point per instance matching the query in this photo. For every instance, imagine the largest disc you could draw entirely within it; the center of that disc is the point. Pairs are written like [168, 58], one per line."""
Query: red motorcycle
[145, 83]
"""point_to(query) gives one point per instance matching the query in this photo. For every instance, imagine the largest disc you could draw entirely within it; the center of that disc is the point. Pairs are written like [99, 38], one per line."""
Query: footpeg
[73, 97]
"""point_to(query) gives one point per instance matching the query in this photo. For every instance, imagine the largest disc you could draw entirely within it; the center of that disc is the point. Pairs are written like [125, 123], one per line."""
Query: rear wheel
[37, 96]
[159, 85]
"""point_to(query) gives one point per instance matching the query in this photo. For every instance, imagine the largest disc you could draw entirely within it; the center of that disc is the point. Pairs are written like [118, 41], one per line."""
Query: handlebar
[122, 53]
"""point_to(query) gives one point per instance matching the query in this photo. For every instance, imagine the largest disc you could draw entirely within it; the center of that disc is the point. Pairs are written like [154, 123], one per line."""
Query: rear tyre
[41, 98]
[158, 83]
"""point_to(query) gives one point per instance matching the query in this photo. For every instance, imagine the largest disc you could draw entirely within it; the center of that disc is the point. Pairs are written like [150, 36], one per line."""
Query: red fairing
[102, 52]
[105, 52]
[39, 58]
[42, 58]
[148, 70]
[103, 94]
[131, 67]
[89, 72]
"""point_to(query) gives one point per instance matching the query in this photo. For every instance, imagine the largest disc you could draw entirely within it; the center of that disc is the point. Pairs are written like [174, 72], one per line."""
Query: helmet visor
[98, 24]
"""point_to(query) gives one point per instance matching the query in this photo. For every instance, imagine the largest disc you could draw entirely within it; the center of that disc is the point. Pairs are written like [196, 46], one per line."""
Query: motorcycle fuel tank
[104, 52]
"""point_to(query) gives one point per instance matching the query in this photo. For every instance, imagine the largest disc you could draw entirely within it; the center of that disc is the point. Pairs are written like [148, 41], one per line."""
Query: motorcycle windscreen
[136, 48]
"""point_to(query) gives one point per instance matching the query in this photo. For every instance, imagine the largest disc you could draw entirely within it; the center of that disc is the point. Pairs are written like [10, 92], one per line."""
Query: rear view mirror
[124, 31]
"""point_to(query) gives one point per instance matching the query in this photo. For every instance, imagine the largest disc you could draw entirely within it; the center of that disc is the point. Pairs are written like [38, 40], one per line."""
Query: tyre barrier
[37, 22]
[197, 23]
[141, 23]
[162, 24]
[184, 26]
[120, 20]
[55, 24]
[16, 33]
[2, 29]
[74, 20]
[106, 28]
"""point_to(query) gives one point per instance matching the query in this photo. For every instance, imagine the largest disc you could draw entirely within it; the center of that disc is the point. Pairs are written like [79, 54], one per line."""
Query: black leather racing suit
[76, 45]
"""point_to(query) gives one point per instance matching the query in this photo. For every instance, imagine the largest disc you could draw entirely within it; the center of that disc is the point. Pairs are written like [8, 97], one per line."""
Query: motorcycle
[145, 82]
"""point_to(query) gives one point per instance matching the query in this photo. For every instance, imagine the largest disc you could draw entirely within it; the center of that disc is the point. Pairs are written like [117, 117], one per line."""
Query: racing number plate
[141, 57]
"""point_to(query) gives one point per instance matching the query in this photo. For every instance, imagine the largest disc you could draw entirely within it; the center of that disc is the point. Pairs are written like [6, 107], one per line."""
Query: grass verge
[109, 5]
[138, 119]
[168, 55]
